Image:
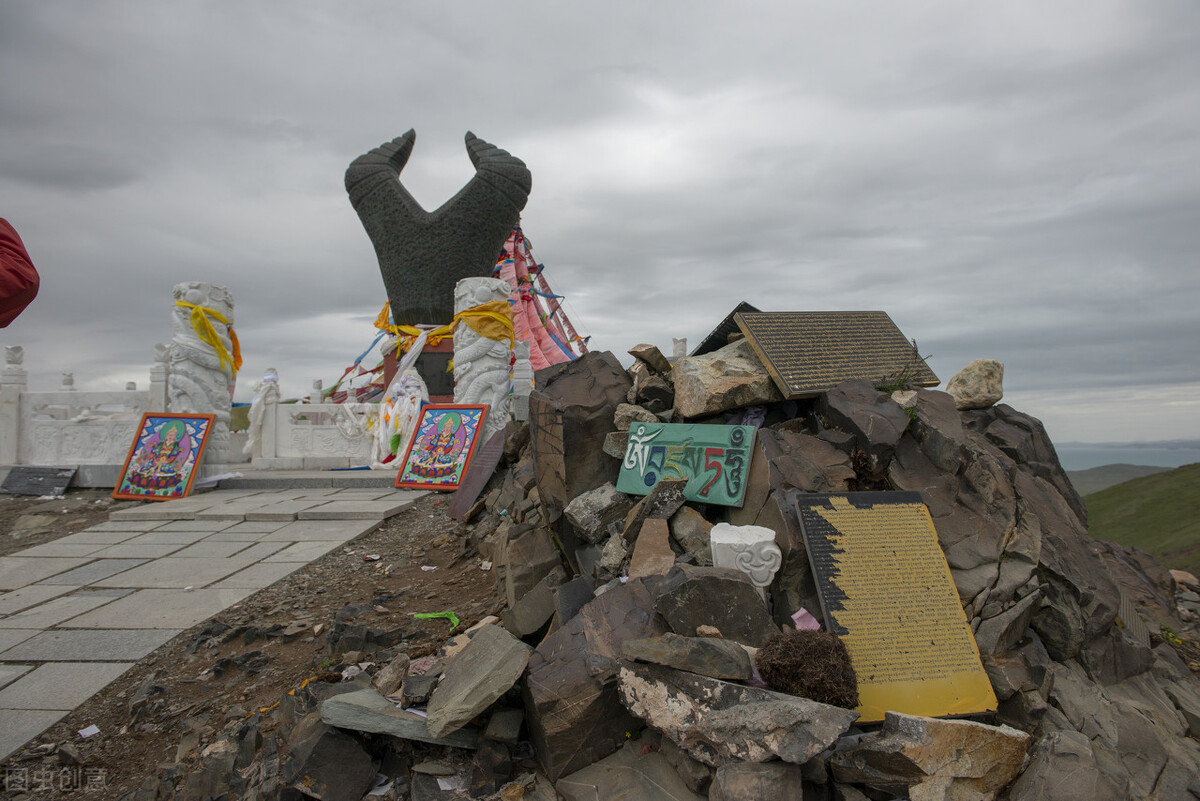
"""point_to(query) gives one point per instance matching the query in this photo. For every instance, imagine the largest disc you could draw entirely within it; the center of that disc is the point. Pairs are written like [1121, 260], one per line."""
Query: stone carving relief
[200, 382]
[481, 365]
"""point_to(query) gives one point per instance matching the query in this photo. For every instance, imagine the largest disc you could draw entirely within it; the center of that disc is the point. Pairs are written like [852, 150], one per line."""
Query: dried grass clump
[813, 664]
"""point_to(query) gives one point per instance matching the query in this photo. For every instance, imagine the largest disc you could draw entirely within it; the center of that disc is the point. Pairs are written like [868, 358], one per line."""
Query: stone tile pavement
[78, 612]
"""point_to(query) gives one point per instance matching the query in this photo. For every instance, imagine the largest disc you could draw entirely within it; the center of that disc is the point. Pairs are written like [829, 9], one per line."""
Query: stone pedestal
[158, 379]
[12, 383]
[750, 549]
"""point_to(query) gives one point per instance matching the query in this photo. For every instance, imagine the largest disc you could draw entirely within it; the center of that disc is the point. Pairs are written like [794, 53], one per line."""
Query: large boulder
[725, 379]
[715, 596]
[570, 414]
[718, 722]
[978, 385]
[876, 421]
[574, 714]
[934, 760]
[475, 678]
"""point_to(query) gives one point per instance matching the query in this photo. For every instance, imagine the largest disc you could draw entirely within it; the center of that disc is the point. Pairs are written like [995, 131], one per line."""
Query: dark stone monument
[38, 480]
[808, 353]
[423, 254]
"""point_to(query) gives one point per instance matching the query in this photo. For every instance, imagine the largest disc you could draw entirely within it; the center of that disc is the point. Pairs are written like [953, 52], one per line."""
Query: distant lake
[1082, 457]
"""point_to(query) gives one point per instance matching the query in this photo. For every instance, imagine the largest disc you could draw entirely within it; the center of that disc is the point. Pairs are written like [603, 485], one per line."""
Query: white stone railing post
[12, 383]
[158, 380]
[522, 382]
[269, 436]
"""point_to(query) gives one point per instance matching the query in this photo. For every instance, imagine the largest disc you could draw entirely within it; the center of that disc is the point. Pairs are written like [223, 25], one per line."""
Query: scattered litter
[350, 672]
[372, 557]
[212, 481]
[623, 579]
[429, 568]
[419, 711]
[453, 618]
[189, 588]
[485, 565]
[89, 731]
[451, 783]
[805, 621]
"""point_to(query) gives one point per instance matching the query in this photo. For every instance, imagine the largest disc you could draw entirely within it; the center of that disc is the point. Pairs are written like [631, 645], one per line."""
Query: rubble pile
[622, 665]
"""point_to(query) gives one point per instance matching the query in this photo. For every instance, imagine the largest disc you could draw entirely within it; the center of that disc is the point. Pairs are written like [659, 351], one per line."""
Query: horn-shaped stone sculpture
[423, 254]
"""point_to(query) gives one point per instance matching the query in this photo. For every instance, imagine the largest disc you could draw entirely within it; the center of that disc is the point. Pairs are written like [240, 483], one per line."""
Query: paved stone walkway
[78, 612]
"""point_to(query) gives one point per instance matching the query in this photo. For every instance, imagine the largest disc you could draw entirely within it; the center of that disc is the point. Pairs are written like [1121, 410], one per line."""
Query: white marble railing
[315, 435]
[78, 428]
[69, 427]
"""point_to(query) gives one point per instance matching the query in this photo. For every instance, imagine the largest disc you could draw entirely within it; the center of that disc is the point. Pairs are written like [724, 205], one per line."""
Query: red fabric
[18, 279]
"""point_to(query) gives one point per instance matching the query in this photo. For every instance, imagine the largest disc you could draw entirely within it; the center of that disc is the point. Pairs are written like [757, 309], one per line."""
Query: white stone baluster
[12, 383]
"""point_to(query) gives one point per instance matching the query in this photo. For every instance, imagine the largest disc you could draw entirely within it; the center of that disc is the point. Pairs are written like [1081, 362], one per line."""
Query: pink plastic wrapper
[805, 621]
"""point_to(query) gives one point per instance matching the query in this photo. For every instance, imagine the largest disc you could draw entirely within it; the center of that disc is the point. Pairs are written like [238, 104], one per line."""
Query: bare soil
[28, 520]
[276, 640]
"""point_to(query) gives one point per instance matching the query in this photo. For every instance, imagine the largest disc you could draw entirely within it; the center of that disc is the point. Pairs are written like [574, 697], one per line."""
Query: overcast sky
[1018, 181]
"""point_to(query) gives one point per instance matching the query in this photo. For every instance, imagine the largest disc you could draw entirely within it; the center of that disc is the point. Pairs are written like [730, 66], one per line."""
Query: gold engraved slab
[886, 590]
[808, 353]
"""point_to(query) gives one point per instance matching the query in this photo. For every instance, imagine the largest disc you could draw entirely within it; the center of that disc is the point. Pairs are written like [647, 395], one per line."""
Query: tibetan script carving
[713, 459]
[886, 590]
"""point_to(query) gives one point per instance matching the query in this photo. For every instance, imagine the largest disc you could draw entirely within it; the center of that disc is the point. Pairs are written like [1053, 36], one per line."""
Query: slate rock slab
[483, 671]
[932, 758]
[627, 775]
[570, 413]
[876, 421]
[717, 722]
[708, 656]
[323, 762]
[761, 781]
[652, 554]
[367, 710]
[714, 596]
[592, 512]
[573, 712]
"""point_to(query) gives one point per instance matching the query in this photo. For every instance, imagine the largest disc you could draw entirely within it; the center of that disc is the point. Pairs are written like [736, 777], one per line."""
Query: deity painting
[163, 458]
[442, 446]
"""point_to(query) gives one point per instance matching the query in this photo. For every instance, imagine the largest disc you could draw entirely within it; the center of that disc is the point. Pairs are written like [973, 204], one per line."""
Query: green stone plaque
[715, 460]
[808, 353]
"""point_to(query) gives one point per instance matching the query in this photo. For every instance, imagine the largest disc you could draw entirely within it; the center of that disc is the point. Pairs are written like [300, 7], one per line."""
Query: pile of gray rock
[622, 663]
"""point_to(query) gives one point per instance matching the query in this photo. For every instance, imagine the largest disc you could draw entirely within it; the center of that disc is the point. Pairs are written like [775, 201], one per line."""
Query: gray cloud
[1008, 181]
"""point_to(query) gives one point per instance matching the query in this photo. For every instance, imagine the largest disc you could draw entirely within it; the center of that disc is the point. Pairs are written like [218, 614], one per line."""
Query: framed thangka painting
[442, 446]
[713, 459]
[164, 456]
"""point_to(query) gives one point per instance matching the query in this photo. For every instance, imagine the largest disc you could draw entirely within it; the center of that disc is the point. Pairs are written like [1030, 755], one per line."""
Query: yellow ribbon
[204, 329]
[492, 320]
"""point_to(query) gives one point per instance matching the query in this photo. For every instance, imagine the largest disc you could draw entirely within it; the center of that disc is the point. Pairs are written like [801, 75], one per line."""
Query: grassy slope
[1095, 479]
[1159, 514]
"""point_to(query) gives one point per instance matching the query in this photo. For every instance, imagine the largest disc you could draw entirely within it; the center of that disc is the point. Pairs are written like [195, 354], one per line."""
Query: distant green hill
[1095, 479]
[1159, 514]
